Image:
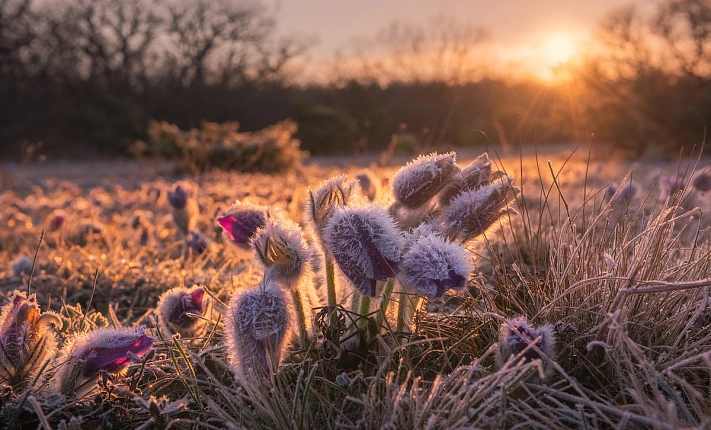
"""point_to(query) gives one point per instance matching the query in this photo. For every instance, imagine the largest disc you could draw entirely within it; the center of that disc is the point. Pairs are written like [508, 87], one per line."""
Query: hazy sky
[521, 26]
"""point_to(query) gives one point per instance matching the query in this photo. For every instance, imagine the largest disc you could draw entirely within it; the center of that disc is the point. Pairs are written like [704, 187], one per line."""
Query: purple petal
[114, 359]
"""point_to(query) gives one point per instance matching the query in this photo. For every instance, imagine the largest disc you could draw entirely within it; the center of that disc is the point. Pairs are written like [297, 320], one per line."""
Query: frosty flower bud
[180, 310]
[365, 245]
[478, 173]
[334, 192]
[86, 355]
[280, 245]
[197, 242]
[622, 193]
[241, 222]
[369, 184]
[22, 265]
[702, 181]
[433, 265]
[57, 220]
[515, 335]
[421, 179]
[472, 213]
[672, 185]
[185, 209]
[257, 329]
[26, 341]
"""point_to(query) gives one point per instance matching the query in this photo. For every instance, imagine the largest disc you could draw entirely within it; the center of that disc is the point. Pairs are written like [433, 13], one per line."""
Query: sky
[519, 29]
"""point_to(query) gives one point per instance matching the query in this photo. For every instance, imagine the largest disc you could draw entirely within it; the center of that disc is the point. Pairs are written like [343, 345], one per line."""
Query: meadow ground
[621, 274]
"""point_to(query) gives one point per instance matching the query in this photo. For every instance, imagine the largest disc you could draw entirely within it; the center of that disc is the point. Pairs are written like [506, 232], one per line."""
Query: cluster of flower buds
[241, 222]
[185, 208]
[183, 311]
[26, 341]
[257, 329]
[517, 339]
[84, 358]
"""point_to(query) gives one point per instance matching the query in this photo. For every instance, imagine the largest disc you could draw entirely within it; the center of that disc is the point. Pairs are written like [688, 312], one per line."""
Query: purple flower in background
[365, 244]
[622, 193]
[515, 335]
[257, 329]
[702, 181]
[178, 198]
[672, 185]
[105, 349]
[433, 265]
[421, 179]
[57, 220]
[197, 242]
[185, 208]
[241, 222]
[180, 309]
[369, 184]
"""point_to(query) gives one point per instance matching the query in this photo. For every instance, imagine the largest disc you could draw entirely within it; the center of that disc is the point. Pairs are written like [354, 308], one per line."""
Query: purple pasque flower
[104, 349]
[473, 212]
[178, 197]
[702, 181]
[369, 184]
[280, 245]
[478, 173]
[332, 193]
[180, 310]
[26, 341]
[434, 265]
[365, 244]
[197, 242]
[185, 208]
[258, 328]
[515, 336]
[622, 193]
[241, 221]
[421, 179]
[57, 220]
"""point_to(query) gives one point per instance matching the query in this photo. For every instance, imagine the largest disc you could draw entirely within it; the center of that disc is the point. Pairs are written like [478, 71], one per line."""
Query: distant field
[622, 280]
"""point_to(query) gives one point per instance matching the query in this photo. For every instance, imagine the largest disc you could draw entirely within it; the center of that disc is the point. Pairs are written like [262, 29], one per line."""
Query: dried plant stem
[300, 318]
[331, 289]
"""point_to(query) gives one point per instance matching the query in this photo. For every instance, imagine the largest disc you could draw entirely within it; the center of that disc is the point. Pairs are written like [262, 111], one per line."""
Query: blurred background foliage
[90, 78]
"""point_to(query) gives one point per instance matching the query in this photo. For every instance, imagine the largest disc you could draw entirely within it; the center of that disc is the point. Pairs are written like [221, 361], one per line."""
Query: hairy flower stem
[384, 302]
[331, 289]
[300, 318]
[364, 311]
[407, 308]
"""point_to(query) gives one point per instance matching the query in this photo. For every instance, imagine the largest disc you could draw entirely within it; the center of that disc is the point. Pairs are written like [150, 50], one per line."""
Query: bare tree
[685, 27]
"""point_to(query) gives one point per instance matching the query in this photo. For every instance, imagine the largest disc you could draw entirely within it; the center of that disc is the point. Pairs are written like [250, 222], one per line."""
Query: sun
[559, 48]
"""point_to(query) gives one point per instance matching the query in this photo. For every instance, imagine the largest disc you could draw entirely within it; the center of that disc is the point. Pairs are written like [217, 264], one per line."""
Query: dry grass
[625, 283]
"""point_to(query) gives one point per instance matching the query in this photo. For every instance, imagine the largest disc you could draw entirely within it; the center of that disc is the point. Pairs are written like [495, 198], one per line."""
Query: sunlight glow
[559, 48]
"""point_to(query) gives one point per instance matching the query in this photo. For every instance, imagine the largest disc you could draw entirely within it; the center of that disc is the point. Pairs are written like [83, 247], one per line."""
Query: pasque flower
[322, 202]
[421, 179]
[702, 181]
[185, 209]
[515, 335]
[365, 244]
[26, 341]
[369, 184]
[180, 310]
[257, 328]
[478, 173]
[105, 349]
[434, 265]
[241, 221]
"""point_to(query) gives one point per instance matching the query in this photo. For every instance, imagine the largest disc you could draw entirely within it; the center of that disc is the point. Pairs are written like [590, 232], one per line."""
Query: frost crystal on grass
[257, 329]
[280, 245]
[321, 203]
[421, 179]
[433, 265]
[180, 310]
[516, 335]
[241, 221]
[365, 244]
[472, 213]
[26, 341]
[105, 349]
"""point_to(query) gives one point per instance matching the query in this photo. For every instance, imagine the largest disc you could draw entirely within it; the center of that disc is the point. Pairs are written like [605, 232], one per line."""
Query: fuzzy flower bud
[21, 265]
[185, 209]
[105, 349]
[515, 335]
[257, 329]
[421, 179]
[197, 242]
[702, 181]
[478, 173]
[369, 184]
[280, 245]
[26, 342]
[472, 213]
[241, 221]
[433, 265]
[180, 310]
[57, 220]
[333, 192]
[623, 193]
[365, 244]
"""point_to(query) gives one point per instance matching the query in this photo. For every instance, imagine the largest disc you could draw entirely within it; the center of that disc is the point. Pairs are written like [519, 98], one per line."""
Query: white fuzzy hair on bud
[515, 339]
[258, 327]
[365, 244]
[474, 212]
[26, 341]
[434, 265]
[335, 191]
[421, 179]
